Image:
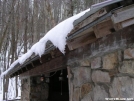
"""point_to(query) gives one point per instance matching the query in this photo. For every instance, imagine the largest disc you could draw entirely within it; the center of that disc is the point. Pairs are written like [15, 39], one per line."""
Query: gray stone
[99, 76]
[129, 53]
[87, 97]
[25, 93]
[85, 89]
[120, 56]
[45, 91]
[96, 63]
[110, 61]
[113, 72]
[122, 87]
[39, 91]
[127, 67]
[76, 94]
[99, 93]
[81, 75]
[85, 62]
[73, 63]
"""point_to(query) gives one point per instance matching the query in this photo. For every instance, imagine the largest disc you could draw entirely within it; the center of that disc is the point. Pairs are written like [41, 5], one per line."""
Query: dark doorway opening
[58, 86]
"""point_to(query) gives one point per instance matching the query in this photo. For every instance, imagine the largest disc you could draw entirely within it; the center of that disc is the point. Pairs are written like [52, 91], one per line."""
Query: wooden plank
[50, 66]
[94, 17]
[81, 41]
[124, 24]
[123, 14]
[127, 22]
[84, 32]
[103, 29]
[90, 19]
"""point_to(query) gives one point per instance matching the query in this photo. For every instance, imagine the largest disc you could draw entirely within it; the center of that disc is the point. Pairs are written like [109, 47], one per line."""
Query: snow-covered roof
[56, 35]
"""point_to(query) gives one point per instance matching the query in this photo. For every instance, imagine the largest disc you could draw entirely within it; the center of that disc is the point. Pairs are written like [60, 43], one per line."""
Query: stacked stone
[34, 90]
[107, 76]
[38, 90]
[25, 89]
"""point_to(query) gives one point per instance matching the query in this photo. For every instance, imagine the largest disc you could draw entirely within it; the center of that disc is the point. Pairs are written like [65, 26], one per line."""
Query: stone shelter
[98, 64]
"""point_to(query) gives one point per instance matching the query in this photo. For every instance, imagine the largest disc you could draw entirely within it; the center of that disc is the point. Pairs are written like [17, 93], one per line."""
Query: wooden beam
[88, 20]
[81, 41]
[123, 14]
[54, 64]
[104, 28]
[93, 17]
[127, 22]
[124, 24]
[123, 17]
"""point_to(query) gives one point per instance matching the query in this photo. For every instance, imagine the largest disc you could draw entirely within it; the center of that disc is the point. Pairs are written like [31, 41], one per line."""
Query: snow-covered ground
[1, 96]
[1, 89]
[11, 90]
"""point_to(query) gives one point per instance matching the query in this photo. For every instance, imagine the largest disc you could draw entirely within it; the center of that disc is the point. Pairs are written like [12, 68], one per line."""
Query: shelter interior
[50, 87]
[58, 86]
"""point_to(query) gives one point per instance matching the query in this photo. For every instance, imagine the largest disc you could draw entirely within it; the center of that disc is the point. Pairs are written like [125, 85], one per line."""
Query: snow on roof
[56, 35]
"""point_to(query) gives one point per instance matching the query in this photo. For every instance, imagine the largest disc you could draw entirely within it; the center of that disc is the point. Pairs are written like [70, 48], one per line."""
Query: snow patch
[56, 35]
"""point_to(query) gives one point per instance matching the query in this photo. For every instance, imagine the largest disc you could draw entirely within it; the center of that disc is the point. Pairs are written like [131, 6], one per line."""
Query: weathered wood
[127, 22]
[90, 19]
[81, 41]
[124, 24]
[50, 66]
[103, 29]
[45, 59]
[93, 17]
[90, 30]
[123, 14]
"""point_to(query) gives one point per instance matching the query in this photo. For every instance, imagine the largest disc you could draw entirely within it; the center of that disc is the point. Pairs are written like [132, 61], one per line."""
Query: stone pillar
[38, 90]
[34, 90]
[25, 89]
[79, 80]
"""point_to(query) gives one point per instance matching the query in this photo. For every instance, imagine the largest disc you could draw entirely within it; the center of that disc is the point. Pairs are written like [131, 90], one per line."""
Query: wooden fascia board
[103, 28]
[123, 17]
[50, 66]
[88, 20]
[123, 14]
[81, 41]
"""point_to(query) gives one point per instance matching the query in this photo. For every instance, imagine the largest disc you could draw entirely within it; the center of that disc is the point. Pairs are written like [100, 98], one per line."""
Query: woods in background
[24, 22]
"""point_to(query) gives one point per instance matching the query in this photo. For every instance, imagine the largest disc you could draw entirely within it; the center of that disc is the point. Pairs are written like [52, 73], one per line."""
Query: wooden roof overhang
[52, 54]
[90, 28]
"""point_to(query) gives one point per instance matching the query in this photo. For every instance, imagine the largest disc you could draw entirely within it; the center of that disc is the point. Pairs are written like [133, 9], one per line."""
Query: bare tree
[24, 22]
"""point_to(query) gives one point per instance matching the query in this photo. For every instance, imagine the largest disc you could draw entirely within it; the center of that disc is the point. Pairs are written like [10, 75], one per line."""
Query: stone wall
[25, 89]
[34, 90]
[108, 76]
[39, 90]
[103, 69]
